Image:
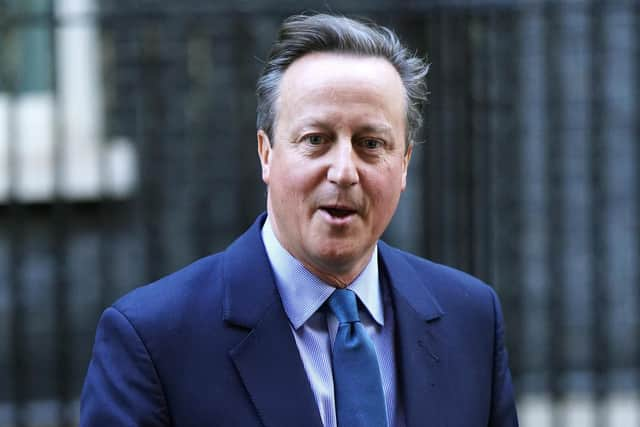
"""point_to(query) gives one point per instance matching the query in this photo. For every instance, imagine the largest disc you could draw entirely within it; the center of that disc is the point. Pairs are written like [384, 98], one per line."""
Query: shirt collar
[302, 293]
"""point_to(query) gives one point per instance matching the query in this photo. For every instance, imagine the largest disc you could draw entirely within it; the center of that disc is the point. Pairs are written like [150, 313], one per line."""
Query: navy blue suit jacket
[211, 345]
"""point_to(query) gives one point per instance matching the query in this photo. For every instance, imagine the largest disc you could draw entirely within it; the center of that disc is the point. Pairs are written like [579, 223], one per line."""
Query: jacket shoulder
[441, 274]
[167, 300]
[454, 290]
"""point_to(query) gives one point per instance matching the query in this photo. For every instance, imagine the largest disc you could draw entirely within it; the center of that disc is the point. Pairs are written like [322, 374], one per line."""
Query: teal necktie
[356, 376]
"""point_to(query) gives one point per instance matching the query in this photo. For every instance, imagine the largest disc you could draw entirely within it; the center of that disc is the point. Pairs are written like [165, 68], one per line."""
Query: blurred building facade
[127, 150]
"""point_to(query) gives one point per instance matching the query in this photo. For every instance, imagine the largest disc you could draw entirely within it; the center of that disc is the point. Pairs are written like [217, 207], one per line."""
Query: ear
[405, 165]
[264, 153]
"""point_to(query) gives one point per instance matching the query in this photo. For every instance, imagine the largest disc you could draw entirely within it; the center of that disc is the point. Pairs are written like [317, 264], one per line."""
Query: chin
[339, 255]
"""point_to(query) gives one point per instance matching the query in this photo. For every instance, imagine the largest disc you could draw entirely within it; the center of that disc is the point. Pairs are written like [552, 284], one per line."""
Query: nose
[343, 170]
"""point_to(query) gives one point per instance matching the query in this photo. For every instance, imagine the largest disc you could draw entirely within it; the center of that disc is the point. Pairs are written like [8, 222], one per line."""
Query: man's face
[338, 162]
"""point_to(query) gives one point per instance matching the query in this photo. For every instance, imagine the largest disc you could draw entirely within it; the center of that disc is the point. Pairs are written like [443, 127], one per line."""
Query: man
[308, 319]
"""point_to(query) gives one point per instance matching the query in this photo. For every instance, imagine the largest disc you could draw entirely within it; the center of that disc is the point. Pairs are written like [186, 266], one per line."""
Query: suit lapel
[420, 345]
[420, 358]
[272, 372]
[267, 359]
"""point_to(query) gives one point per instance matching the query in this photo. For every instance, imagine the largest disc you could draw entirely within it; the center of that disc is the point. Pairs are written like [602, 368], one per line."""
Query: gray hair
[303, 34]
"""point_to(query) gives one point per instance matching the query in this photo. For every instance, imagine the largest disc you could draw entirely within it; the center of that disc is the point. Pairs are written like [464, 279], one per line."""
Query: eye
[314, 139]
[371, 143]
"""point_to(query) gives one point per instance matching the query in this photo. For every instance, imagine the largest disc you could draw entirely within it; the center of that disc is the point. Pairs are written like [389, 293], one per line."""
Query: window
[52, 139]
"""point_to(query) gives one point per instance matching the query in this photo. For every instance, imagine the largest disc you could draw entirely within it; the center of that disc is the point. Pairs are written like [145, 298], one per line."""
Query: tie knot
[344, 306]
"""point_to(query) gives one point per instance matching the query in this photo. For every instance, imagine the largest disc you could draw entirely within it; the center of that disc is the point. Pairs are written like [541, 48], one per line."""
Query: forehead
[340, 70]
[328, 79]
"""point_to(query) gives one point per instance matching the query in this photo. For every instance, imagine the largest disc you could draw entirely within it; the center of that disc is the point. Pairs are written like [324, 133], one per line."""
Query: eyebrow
[381, 128]
[366, 128]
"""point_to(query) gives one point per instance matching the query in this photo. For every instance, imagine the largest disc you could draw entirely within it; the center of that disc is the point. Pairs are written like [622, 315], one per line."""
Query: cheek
[300, 180]
[292, 188]
[384, 189]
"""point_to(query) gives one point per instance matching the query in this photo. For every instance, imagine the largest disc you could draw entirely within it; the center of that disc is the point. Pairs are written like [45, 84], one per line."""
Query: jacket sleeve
[503, 407]
[122, 387]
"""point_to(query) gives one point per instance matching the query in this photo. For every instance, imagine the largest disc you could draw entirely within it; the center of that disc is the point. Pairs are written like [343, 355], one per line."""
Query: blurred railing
[127, 149]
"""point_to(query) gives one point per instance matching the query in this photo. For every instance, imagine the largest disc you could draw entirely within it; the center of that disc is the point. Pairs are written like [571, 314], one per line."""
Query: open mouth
[339, 212]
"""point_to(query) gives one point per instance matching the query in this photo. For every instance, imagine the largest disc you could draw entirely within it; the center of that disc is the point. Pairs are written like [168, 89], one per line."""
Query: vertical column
[253, 33]
[433, 176]
[555, 206]
[479, 136]
[122, 260]
[619, 207]
[217, 192]
[16, 368]
[177, 182]
[599, 291]
[59, 223]
[574, 55]
[636, 64]
[407, 229]
[79, 99]
[448, 166]
[504, 172]
[17, 215]
[151, 134]
[534, 241]
[200, 119]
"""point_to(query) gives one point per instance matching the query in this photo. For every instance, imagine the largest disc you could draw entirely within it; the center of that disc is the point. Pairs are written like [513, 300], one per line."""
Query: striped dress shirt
[314, 329]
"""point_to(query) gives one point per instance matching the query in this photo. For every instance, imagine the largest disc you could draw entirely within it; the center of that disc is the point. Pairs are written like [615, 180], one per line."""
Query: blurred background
[127, 150]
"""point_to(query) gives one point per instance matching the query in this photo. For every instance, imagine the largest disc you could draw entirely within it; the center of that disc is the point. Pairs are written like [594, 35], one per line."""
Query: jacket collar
[409, 283]
[250, 286]
[248, 279]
